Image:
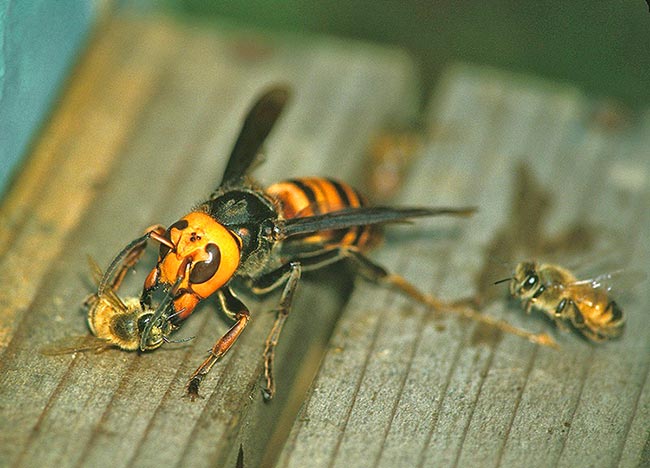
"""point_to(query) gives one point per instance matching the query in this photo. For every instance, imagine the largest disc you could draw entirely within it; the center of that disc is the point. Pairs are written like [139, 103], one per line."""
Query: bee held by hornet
[265, 238]
[113, 321]
[556, 291]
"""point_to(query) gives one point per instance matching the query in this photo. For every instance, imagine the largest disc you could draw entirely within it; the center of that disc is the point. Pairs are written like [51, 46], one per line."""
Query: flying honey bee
[559, 294]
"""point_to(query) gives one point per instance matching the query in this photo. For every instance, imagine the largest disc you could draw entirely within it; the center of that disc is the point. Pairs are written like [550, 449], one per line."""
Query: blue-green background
[39, 40]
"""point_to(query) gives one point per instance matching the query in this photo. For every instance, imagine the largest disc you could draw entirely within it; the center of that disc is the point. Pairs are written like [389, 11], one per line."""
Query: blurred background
[601, 47]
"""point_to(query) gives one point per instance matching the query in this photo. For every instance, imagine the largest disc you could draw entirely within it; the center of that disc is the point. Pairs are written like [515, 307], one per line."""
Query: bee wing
[74, 344]
[257, 126]
[619, 280]
[107, 292]
[95, 270]
[363, 216]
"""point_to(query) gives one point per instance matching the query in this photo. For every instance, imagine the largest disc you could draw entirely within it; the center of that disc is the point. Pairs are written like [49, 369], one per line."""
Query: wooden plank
[30, 222]
[141, 135]
[401, 387]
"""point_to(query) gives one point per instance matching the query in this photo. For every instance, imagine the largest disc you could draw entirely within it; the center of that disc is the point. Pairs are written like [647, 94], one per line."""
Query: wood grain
[365, 376]
[400, 386]
[141, 135]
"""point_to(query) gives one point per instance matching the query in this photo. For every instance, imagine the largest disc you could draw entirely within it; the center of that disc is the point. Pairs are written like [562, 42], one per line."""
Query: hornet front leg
[238, 311]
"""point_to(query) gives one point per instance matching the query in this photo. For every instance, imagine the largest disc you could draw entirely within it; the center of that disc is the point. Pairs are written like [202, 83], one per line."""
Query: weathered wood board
[141, 135]
[552, 173]
[143, 132]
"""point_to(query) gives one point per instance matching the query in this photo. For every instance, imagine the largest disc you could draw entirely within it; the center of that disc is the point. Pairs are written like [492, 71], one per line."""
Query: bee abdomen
[609, 326]
[309, 196]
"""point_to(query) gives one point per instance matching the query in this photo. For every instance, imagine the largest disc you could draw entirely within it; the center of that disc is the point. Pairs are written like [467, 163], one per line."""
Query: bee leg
[616, 314]
[560, 325]
[289, 275]
[567, 309]
[235, 309]
[591, 335]
[528, 307]
[559, 310]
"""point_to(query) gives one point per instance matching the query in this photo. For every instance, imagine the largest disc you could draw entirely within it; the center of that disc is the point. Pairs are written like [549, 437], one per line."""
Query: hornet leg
[128, 257]
[236, 309]
[379, 274]
[289, 274]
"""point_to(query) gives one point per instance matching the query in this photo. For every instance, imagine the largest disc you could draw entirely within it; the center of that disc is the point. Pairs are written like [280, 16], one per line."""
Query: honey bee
[120, 323]
[115, 322]
[559, 294]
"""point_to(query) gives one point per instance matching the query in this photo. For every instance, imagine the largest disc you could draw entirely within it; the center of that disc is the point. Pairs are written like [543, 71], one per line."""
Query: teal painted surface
[39, 41]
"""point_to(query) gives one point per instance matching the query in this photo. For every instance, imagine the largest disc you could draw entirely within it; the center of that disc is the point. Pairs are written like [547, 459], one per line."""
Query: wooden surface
[142, 134]
[400, 387]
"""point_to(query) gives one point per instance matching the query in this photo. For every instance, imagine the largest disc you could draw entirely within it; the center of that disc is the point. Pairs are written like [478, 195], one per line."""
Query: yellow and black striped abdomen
[310, 196]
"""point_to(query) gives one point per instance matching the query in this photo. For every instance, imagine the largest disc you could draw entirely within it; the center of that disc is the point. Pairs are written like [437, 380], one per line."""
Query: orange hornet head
[202, 255]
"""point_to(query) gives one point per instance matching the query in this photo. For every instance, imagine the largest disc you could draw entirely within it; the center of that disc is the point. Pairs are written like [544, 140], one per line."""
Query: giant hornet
[266, 237]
